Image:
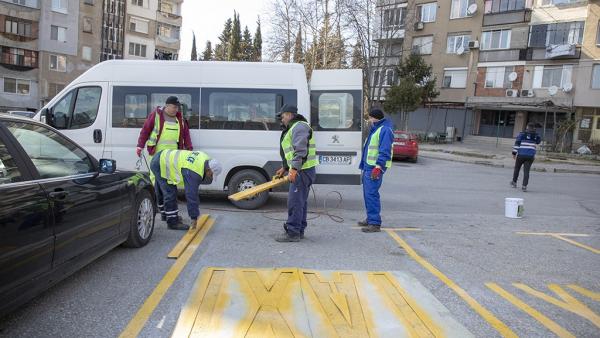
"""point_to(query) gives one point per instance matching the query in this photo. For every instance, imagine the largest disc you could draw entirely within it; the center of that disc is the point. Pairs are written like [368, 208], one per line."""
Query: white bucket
[513, 207]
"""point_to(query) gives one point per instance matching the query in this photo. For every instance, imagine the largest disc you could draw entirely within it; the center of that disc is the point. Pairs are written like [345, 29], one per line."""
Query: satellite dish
[568, 87]
[553, 90]
[460, 50]
[512, 76]
[472, 9]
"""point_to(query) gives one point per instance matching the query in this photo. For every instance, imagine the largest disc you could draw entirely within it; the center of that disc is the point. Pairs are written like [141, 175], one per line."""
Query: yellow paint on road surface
[138, 322]
[187, 238]
[563, 237]
[291, 302]
[496, 323]
[588, 293]
[244, 194]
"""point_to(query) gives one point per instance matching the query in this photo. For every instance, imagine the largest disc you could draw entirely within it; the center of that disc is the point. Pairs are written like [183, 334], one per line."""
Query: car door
[86, 206]
[26, 239]
[336, 119]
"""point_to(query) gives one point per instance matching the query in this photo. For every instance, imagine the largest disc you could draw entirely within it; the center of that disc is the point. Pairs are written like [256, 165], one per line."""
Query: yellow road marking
[187, 238]
[483, 312]
[568, 302]
[583, 246]
[590, 294]
[547, 322]
[551, 234]
[563, 237]
[137, 323]
[394, 229]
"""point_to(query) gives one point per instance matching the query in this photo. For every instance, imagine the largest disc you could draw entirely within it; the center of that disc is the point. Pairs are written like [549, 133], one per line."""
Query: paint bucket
[513, 207]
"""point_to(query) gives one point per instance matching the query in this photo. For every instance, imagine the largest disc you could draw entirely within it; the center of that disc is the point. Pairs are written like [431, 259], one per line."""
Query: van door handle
[58, 194]
[97, 135]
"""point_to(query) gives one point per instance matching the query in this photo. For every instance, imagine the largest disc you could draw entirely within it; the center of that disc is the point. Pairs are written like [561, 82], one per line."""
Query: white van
[231, 108]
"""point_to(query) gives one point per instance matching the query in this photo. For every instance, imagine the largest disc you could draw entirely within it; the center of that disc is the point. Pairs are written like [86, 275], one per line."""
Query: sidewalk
[485, 151]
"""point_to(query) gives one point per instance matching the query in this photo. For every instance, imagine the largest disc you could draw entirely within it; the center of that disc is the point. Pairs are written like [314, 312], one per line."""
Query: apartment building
[503, 63]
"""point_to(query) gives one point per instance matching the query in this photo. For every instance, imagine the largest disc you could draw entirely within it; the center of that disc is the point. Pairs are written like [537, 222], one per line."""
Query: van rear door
[336, 100]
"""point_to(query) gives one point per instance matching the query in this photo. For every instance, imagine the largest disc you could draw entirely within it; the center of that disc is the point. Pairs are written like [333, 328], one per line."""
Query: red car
[405, 146]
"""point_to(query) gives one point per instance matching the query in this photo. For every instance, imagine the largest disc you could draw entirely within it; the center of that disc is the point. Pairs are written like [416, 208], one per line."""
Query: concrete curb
[576, 171]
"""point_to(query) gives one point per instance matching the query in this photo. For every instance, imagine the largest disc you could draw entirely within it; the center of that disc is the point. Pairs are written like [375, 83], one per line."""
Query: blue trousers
[371, 197]
[166, 194]
[298, 201]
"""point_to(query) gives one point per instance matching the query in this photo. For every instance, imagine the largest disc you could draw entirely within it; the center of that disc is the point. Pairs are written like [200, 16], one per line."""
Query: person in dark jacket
[524, 152]
[376, 159]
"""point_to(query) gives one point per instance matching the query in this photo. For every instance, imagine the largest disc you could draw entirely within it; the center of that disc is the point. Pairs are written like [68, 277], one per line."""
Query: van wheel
[142, 221]
[247, 179]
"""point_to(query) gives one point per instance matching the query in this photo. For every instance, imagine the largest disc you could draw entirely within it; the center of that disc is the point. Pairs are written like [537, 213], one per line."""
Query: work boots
[371, 228]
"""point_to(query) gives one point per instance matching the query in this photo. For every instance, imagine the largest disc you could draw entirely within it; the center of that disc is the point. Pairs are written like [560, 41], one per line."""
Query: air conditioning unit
[527, 93]
[512, 93]
[474, 44]
[419, 25]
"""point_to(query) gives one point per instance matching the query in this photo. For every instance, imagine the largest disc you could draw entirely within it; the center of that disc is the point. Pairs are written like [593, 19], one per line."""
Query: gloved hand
[293, 175]
[280, 172]
[138, 151]
[514, 156]
[376, 173]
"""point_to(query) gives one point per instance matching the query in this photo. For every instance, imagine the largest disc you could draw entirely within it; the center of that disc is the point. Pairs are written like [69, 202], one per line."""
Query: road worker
[299, 157]
[170, 168]
[376, 159]
[524, 154]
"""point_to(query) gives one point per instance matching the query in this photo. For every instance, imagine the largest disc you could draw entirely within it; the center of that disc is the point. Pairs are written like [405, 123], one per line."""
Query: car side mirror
[44, 115]
[107, 166]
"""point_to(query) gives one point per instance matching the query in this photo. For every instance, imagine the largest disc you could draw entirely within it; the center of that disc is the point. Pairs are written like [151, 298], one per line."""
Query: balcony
[18, 59]
[544, 53]
[168, 17]
[501, 55]
[507, 17]
[391, 34]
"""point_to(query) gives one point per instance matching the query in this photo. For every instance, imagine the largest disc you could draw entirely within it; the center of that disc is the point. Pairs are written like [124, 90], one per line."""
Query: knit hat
[288, 108]
[172, 100]
[377, 113]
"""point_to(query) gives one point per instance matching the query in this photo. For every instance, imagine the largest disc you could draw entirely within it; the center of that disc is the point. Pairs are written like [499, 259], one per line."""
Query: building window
[58, 63]
[16, 86]
[548, 76]
[426, 12]
[393, 17]
[459, 8]
[556, 34]
[137, 3]
[497, 77]
[19, 57]
[54, 89]
[137, 49]
[376, 78]
[456, 41]
[422, 45]
[138, 25]
[455, 78]
[596, 76]
[499, 39]
[87, 25]
[17, 27]
[598, 35]
[27, 3]
[499, 6]
[89, 2]
[166, 7]
[559, 2]
[167, 31]
[59, 6]
[86, 53]
[58, 33]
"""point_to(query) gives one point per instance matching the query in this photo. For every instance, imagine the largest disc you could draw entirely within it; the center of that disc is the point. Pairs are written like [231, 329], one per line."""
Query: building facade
[501, 64]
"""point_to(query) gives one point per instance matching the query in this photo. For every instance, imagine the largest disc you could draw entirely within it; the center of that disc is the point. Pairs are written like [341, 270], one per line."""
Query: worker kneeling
[170, 167]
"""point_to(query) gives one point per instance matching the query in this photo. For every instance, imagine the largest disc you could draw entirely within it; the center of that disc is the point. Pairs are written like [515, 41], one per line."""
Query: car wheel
[142, 221]
[247, 179]
[414, 159]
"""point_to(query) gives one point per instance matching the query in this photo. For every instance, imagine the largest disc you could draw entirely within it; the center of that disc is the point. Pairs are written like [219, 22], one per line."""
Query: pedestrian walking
[299, 156]
[170, 168]
[376, 159]
[165, 128]
[524, 153]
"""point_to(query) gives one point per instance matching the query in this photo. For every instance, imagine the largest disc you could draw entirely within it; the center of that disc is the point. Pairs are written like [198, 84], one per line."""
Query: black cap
[377, 113]
[173, 100]
[288, 108]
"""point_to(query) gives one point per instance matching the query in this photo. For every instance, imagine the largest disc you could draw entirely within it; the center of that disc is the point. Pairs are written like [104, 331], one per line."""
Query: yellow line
[483, 312]
[590, 294]
[137, 323]
[547, 322]
[552, 234]
[393, 229]
[568, 240]
[187, 238]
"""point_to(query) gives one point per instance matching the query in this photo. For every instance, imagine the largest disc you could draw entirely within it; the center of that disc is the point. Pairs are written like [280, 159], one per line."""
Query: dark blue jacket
[526, 144]
[386, 138]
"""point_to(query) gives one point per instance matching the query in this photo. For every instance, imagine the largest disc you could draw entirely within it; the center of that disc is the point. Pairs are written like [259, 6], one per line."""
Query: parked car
[23, 113]
[406, 146]
[61, 209]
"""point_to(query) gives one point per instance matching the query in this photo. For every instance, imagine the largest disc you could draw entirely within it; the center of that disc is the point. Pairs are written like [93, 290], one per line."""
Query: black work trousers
[525, 161]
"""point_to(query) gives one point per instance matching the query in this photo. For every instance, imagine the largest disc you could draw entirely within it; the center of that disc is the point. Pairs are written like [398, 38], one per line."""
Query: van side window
[243, 109]
[333, 110]
[78, 109]
[132, 105]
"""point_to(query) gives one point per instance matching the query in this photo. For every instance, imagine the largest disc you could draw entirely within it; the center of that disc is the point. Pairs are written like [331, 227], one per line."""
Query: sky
[206, 19]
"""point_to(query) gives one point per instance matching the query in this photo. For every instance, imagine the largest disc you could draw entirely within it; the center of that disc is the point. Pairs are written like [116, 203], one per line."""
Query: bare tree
[284, 17]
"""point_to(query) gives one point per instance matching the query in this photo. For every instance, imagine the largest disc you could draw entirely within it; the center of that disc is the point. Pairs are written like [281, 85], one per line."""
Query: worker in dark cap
[376, 159]
[299, 157]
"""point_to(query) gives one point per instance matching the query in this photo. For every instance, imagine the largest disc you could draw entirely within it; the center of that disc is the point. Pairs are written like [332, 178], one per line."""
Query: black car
[60, 209]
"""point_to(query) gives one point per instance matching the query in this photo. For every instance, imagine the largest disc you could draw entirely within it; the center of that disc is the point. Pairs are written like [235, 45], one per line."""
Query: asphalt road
[458, 210]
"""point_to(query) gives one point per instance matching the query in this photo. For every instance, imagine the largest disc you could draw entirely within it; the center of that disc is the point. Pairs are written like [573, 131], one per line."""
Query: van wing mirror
[44, 115]
[107, 166]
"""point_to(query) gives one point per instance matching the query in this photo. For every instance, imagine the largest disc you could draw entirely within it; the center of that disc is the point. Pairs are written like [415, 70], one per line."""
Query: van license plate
[335, 160]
